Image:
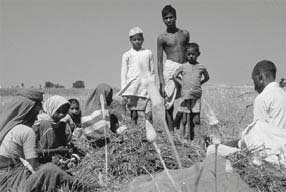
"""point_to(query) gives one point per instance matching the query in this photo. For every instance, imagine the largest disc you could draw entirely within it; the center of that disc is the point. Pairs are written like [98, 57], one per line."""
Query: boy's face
[137, 41]
[192, 55]
[74, 109]
[169, 20]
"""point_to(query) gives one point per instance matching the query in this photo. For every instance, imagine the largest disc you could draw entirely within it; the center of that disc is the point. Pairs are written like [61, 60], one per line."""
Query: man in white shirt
[268, 128]
[270, 104]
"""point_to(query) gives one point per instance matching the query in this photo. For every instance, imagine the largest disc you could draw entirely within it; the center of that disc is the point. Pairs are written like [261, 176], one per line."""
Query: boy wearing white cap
[134, 62]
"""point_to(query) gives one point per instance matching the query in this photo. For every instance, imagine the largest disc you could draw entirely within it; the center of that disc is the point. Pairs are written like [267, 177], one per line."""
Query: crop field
[130, 155]
[231, 104]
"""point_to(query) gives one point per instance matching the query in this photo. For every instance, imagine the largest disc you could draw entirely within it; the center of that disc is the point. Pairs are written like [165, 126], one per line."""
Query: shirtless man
[172, 42]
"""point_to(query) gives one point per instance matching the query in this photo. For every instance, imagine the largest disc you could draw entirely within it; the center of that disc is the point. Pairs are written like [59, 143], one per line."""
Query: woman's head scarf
[93, 101]
[16, 112]
[51, 105]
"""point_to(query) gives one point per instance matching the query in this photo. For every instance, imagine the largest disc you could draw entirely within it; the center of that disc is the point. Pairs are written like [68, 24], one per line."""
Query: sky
[67, 40]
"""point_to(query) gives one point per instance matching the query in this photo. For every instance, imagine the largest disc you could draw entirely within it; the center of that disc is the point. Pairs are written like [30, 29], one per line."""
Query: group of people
[180, 78]
[30, 140]
[38, 142]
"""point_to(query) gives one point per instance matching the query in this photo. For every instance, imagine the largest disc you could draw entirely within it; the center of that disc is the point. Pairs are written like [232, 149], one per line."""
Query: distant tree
[22, 85]
[49, 84]
[59, 86]
[78, 84]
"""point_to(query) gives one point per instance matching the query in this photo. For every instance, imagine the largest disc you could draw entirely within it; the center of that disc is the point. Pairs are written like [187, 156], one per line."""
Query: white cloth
[269, 126]
[169, 69]
[268, 136]
[19, 142]
[53, 103]
[268, 130]
[133, 64]
[134, 31]
[270, 106]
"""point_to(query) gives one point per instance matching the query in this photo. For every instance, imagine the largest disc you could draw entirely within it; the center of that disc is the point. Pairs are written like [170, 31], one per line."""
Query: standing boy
[192, 76]
[134, 62]
[172, 42]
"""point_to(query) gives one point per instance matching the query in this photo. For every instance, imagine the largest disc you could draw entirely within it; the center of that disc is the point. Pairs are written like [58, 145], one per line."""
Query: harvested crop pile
[131, 155]
[264, 178]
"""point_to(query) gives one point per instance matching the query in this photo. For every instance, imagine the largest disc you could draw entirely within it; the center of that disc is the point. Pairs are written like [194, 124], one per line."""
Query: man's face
[169, 20]
[258, 82]
[137, 41]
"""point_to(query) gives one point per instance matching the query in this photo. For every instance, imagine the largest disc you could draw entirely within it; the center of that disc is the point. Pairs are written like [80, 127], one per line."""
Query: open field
[231, 104]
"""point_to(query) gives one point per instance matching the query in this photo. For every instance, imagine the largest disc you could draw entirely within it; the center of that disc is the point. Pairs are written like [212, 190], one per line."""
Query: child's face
[137, 41]
[192, 55]
[74, 109]
[170, 20]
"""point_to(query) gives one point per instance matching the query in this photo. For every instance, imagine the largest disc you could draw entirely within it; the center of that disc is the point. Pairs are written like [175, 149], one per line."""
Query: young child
[75, 112]
[190, 76]
[134, 62]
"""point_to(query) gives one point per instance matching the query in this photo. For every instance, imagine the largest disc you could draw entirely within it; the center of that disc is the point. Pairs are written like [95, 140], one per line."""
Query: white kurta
[268, 129]
[133, 64]
[270, 106]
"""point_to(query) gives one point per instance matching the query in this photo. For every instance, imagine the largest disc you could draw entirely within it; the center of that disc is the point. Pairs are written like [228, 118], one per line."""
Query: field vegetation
[131, 155]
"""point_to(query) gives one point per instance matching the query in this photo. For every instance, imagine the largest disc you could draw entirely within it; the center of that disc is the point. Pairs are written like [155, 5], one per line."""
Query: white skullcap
[134, 31]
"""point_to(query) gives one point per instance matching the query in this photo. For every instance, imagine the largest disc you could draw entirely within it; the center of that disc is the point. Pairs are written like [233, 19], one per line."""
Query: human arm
[60, 150]
[206, 76]
[176, 77]
[151, 63]
[160, 65]
[87, 120]
[124, 69]
[187, 34]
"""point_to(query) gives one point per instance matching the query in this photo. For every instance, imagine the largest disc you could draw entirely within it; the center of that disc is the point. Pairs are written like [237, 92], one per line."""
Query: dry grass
[265, 178]
[130, 154]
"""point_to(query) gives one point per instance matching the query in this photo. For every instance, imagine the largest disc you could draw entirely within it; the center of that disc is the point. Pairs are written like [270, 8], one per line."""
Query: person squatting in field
[19, 166]
[91, 125]
[54, 132]
[268, 128]
[190, 76]
[134, 62]
[172, 42]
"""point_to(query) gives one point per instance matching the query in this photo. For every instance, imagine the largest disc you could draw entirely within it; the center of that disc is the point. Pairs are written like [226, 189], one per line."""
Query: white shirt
[131, 69]
[270, 106]
[20, 141]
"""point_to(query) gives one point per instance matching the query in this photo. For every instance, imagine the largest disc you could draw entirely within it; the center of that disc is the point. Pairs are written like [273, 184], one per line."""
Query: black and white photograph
[142, 96]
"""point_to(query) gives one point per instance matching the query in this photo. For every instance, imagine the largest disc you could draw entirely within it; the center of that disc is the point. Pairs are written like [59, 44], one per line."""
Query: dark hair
[194, 46]
[169, 9]
[265, 67]
[76, 119]
[73, 100]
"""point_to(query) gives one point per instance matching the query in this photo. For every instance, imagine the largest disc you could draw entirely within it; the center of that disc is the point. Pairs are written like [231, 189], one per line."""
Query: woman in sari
[19, 168]
[93, 123]
[52, 134]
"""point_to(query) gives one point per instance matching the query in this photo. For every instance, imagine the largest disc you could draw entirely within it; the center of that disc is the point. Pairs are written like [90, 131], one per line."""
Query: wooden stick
[105, 141]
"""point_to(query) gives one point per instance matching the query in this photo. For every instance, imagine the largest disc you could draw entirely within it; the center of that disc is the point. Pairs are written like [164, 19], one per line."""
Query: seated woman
[17, 145]
[92, 123]
[50, 128]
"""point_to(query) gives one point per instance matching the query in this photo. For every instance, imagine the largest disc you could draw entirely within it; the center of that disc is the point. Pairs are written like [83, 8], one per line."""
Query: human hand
[162, 90]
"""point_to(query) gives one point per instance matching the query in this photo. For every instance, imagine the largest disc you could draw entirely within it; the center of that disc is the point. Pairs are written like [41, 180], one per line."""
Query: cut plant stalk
[151, 137]
[158, 108]
[102, 103]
